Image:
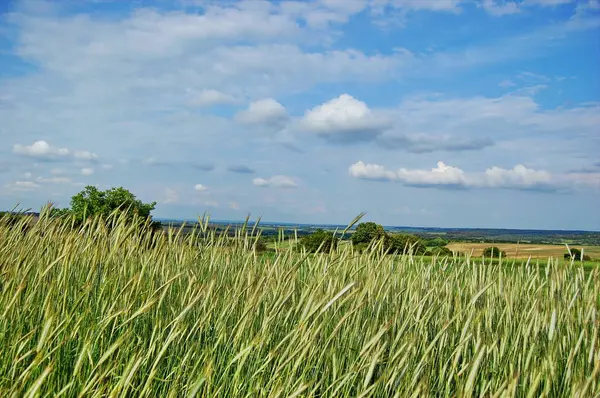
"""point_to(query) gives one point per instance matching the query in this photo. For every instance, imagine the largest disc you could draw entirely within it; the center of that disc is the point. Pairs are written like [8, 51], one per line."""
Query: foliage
[92, 202]
[442, 252]
[405, 243]
[366, 232]
[260, 245]
[369, 233]
[493, 252]
[576, 255]
[436, 242]
[85, 312]
[320, 240]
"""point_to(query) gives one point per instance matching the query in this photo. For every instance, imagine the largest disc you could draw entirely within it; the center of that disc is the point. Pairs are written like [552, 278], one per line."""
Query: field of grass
[91, 312]
[513, 250]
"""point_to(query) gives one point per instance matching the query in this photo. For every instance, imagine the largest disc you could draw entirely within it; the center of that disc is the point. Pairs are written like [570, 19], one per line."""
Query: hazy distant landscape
[473, 235]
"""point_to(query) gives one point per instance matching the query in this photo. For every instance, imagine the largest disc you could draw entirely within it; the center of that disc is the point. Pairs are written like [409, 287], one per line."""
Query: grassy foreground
[87, 312]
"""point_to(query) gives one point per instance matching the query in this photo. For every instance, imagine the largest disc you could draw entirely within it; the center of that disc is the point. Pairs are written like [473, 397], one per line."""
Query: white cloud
[277, 181]
[87, 171]
[440, 175]
[344, 119]
[200, 187]
[43, 150]
[210, 97]
[371, 171]
[500, 8]
[519, 177]
[264, 111]
[40, 149]
[23, 186]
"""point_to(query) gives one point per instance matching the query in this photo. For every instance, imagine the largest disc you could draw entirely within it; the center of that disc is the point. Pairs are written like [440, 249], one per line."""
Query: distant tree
[442, 252]
[321, 240]
[367, 232]
[493, 252]
[577, 256]
[404, 243]
[436, 242]
[261, 245]
[92, 202]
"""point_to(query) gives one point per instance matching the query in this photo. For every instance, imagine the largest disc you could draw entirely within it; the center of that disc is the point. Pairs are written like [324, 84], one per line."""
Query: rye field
[91, 311]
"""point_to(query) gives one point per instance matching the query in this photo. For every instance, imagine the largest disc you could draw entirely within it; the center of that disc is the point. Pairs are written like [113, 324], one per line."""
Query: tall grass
[91, 311]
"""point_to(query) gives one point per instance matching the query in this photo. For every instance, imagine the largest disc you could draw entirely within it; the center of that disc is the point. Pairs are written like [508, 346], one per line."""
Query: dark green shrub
[442, 251]
[436, 242]
[320, 240]
[404, 243]
[577, 256]
[493, 252]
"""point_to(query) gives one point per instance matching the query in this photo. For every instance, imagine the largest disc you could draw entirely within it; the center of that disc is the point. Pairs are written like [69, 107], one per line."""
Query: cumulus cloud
[277, 181]
[344, 119]
[518, 176]
[264, 111]
[200, 188]
[40, 149]
[445, 176]
[87, 171]
[43, 150]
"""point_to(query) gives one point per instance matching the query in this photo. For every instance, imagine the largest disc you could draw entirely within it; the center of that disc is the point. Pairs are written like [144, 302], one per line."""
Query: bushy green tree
[436, 242]
[577, 256]
[321, 240]
[404, 243]
[366, 232]
[442, 252]
[92, 202]
[493, 252]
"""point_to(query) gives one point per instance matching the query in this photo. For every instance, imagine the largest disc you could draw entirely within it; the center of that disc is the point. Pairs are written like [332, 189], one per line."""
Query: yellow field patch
[514, 250]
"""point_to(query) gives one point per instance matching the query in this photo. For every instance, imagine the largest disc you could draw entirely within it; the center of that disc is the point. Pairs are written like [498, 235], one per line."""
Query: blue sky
[449, 113]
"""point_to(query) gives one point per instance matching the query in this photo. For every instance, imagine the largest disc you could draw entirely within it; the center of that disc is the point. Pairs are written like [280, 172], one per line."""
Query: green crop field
[90, 312]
